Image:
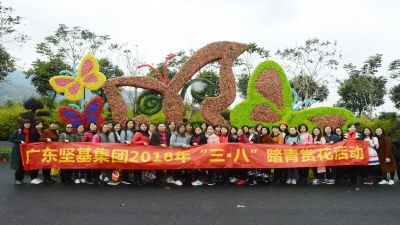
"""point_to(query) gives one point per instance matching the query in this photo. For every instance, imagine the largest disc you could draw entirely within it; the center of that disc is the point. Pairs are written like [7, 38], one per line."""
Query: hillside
[16, 81]
[15, 93]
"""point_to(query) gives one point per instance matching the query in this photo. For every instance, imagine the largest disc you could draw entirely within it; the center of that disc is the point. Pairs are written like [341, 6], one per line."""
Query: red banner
[84, 155]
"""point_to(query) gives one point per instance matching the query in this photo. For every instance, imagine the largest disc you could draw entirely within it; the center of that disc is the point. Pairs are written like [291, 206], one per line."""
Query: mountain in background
[16, 88]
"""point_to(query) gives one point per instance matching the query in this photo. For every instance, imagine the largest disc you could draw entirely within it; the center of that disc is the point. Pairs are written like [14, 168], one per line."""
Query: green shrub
[9, 120]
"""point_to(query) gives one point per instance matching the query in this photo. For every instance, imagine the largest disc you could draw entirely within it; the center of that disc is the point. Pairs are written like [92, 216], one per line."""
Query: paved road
[150, 204]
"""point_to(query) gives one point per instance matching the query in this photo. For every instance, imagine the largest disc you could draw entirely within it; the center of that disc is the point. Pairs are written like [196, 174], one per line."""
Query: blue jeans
[292, 173]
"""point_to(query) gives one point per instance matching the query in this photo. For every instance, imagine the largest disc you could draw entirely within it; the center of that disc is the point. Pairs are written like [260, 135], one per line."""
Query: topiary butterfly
[88, 76]
[270, 101]
[89, 112]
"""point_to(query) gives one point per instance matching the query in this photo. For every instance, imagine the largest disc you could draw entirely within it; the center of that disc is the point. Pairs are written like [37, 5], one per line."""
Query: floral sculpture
[88, 76]
[173, 106]
[270, 101]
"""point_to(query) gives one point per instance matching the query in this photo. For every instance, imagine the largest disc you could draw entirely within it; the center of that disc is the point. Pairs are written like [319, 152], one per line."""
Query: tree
[9, 36]
[110, 71]
[245, 63]
[317, 92]
[363, 91]
[71, 45]
[7, 63]
[9, 28]
[40, 74]
[132, 59]
[394, 95]
[314, 62]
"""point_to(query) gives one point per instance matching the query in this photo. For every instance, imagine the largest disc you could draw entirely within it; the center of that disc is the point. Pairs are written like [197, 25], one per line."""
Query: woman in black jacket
[160, 138]
[198, 139]
[34, 135]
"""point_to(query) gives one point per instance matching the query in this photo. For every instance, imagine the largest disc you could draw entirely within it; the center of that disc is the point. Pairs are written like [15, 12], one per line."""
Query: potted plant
[5, 157]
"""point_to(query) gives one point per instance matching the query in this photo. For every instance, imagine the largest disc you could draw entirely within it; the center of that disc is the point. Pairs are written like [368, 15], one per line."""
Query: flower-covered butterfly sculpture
[173, 106]
[89, 112]
[88, 76]
[269, 101]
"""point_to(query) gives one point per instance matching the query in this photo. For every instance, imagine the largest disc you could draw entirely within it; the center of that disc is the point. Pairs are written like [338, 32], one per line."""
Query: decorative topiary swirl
[149, 103]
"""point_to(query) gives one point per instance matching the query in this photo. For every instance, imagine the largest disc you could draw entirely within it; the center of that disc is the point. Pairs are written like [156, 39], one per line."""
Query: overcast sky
[361, 28]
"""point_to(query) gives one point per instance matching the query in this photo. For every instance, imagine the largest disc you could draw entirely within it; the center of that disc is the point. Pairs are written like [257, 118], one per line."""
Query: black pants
[66, 174]
[125, 175]
[33, 174]
[303, 172]
[46, 173]
[278, 174]
[137, 174]
[316, 174]
[19, 172]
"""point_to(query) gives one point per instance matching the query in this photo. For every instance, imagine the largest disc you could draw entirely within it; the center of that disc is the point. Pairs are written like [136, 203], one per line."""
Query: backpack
[396, 152]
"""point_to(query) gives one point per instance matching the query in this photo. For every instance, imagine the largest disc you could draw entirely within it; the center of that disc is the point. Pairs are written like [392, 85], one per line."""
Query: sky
[361, 28]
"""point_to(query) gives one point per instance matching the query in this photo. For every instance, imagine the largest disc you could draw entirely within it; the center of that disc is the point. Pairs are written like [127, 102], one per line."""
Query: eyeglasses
[69, 127]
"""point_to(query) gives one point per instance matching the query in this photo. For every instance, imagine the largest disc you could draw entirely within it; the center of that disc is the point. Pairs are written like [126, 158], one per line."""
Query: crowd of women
[184, 135]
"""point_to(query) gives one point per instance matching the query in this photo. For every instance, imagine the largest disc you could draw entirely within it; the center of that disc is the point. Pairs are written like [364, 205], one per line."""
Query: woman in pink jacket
[100, 137]
[141, 137]
[212, 138]
[306, 138]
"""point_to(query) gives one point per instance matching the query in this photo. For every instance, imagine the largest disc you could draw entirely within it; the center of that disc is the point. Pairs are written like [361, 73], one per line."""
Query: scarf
[163, 137]
[26, 132]
[351, 136]
[196, 139]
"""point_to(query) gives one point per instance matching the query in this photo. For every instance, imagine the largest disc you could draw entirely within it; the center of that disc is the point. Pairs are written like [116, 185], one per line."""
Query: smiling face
[27, 125]
[104, 129]
[53, 126]
[275, 130]
[152, 128]
[69, 127]
[189, 128]
[366, 132]
[143, 127]
[240, 133]
[338, 132]
[292, 131]
[378, 132]
[198, 130]
[182, 129]
[233, 131]
[80, 129]
[117, 127]
[352, 129]
[39, 126]
[264, 131]
[161, 127]
[93, 127]
[171, 126]
[130, 125]
[210, 130]
[328, 130]
[224, 130]
[303, 129]
[316, 132]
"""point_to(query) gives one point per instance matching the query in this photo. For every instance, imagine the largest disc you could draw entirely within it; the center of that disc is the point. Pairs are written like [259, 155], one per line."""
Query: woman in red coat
[141, 137]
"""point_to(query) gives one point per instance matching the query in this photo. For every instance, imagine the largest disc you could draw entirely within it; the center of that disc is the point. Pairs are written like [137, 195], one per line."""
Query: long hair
[115, 132]
[302, 125]
[342, 135]
[272, 133]
[33, 126]
[100, 129]
[363, 136]
[177, 128]
[126, 125]
[332, 131]
[146, 132]
[317, 138]
[383, 133]
[88, 128]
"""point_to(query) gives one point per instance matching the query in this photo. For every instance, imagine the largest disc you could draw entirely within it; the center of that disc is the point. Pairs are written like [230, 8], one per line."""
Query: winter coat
[113, 136]
[233, 139]
[178, 141]
[49, 134]
[254, 138]
[203, 139]
[88, 136]
[385, 151]
[16, 139]
[65, 136]
[101, 138]
[127, 135]
[265, 139]
[140, 138]
[306, 138]
[278, 139]
[77, 137]
[156, 138]
[212, 139]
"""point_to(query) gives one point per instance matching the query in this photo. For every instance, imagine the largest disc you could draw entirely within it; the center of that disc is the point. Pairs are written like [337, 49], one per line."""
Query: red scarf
[26, 132]
[351, 136]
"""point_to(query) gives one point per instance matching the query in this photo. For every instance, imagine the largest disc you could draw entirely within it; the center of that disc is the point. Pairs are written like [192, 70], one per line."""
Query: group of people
[185, 135]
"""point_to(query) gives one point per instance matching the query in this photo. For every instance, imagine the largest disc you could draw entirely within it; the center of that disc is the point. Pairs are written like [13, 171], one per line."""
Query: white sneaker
[197, 183]
[77, 181]
[294, 181]
[83, 180]
[106, 179]
[315, 182]
[233, 180]
[178, 182]
[289, 181]
[36, 181]
[383, 182]
[169, 180]
[101, 177]
[391, 182]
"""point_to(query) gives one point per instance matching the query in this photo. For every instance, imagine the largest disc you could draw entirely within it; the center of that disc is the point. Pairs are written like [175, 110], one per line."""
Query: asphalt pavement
[170, 204]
